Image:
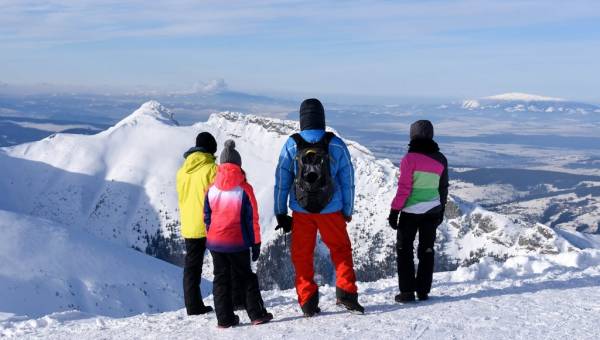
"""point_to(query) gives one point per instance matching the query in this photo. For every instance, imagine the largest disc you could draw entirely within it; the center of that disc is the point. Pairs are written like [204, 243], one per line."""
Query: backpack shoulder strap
[325, 140]
[300, 142]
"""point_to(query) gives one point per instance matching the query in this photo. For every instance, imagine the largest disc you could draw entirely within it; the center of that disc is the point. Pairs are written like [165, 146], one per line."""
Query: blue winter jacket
[341, 171]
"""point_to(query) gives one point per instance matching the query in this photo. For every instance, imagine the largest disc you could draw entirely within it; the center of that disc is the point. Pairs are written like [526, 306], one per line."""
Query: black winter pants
[192, 274]
[238, 263]
[238, 293]
[409, 224]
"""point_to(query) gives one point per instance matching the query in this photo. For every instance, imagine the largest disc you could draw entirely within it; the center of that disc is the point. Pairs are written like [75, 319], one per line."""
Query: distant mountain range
[523, 102]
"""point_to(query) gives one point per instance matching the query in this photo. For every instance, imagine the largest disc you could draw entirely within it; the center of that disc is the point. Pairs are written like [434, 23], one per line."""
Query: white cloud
[210, 87]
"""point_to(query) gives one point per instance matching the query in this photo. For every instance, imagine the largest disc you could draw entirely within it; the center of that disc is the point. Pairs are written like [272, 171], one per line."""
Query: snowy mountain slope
[120, 185]
[571, 211]
[47, 268]
[523, 102]
[542, 297]
[471, 233]
[556, 199]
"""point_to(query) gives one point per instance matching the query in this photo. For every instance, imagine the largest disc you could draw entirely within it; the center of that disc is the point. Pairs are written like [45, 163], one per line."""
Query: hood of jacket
[229, 176]
[423, 145]
[196, 159]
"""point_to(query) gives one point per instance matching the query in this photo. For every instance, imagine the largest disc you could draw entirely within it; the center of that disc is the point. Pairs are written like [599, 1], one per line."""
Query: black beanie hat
[206, 142]
[312, 115]
[230, 154]
[421, 129]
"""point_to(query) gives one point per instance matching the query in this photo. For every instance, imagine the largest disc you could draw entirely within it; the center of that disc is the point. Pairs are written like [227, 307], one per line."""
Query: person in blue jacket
[315, 172]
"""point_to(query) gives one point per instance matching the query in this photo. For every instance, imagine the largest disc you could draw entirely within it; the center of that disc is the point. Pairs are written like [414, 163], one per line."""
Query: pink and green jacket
[423, 183]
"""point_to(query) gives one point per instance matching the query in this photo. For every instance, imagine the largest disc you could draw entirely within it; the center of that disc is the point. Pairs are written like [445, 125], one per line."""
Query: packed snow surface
[548, 297]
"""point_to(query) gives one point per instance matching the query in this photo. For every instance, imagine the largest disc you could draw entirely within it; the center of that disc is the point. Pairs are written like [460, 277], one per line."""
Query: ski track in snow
[558, 303]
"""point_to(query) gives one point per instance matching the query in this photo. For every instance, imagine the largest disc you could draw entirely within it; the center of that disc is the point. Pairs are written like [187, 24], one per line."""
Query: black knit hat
[312, 115]
[421, 129]
[230, 154]
[206, 142]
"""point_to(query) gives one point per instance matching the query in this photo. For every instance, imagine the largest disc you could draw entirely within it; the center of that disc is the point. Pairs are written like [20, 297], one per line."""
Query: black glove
[255, 252]
[393, 218]
[284, 222]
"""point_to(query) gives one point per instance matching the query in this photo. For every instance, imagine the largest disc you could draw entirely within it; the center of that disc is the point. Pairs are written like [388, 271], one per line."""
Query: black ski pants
[224, 265]
[192, 274]
[408, 226]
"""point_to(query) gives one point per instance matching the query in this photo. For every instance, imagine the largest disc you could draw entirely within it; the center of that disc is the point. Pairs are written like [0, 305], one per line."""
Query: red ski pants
[332, 228]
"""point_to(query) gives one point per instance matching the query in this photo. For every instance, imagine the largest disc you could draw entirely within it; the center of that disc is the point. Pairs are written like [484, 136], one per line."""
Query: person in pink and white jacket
[420, 202]
[231, 218]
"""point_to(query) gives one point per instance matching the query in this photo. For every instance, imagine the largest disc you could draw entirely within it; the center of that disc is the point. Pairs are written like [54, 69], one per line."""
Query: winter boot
[234, 322]
[422, 296]
[263, 319]
[311, 307]
[205, 309]
[405, 297]
[201, 310]
[349, 301]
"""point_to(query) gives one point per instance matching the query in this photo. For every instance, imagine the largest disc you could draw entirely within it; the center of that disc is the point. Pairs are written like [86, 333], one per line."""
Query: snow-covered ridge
[237, 119]
[282, 127]
[525, 97]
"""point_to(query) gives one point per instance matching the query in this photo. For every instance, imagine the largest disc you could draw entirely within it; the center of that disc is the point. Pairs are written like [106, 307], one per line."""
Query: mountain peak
[155, 109]
[150, 109]
[525, 97]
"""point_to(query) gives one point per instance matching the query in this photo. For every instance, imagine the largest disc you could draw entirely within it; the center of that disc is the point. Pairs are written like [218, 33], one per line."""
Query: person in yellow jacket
[193, 180]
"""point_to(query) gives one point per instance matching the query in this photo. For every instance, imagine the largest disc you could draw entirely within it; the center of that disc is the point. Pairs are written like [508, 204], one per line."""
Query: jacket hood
[312, 136]
[423, 145]
[229, 176]
[195, 149]
[195, 159]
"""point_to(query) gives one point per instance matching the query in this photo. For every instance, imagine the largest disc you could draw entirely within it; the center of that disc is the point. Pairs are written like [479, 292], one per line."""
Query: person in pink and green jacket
[418, 206]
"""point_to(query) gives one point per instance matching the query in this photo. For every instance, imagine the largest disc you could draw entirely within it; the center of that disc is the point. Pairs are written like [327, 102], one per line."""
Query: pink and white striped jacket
[231, 212]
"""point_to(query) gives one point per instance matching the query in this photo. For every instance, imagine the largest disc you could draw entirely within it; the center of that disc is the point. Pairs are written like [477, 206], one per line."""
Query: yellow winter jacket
[193, 180]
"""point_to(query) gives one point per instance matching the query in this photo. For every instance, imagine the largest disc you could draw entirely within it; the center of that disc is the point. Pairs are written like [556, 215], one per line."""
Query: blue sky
[462, 48]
